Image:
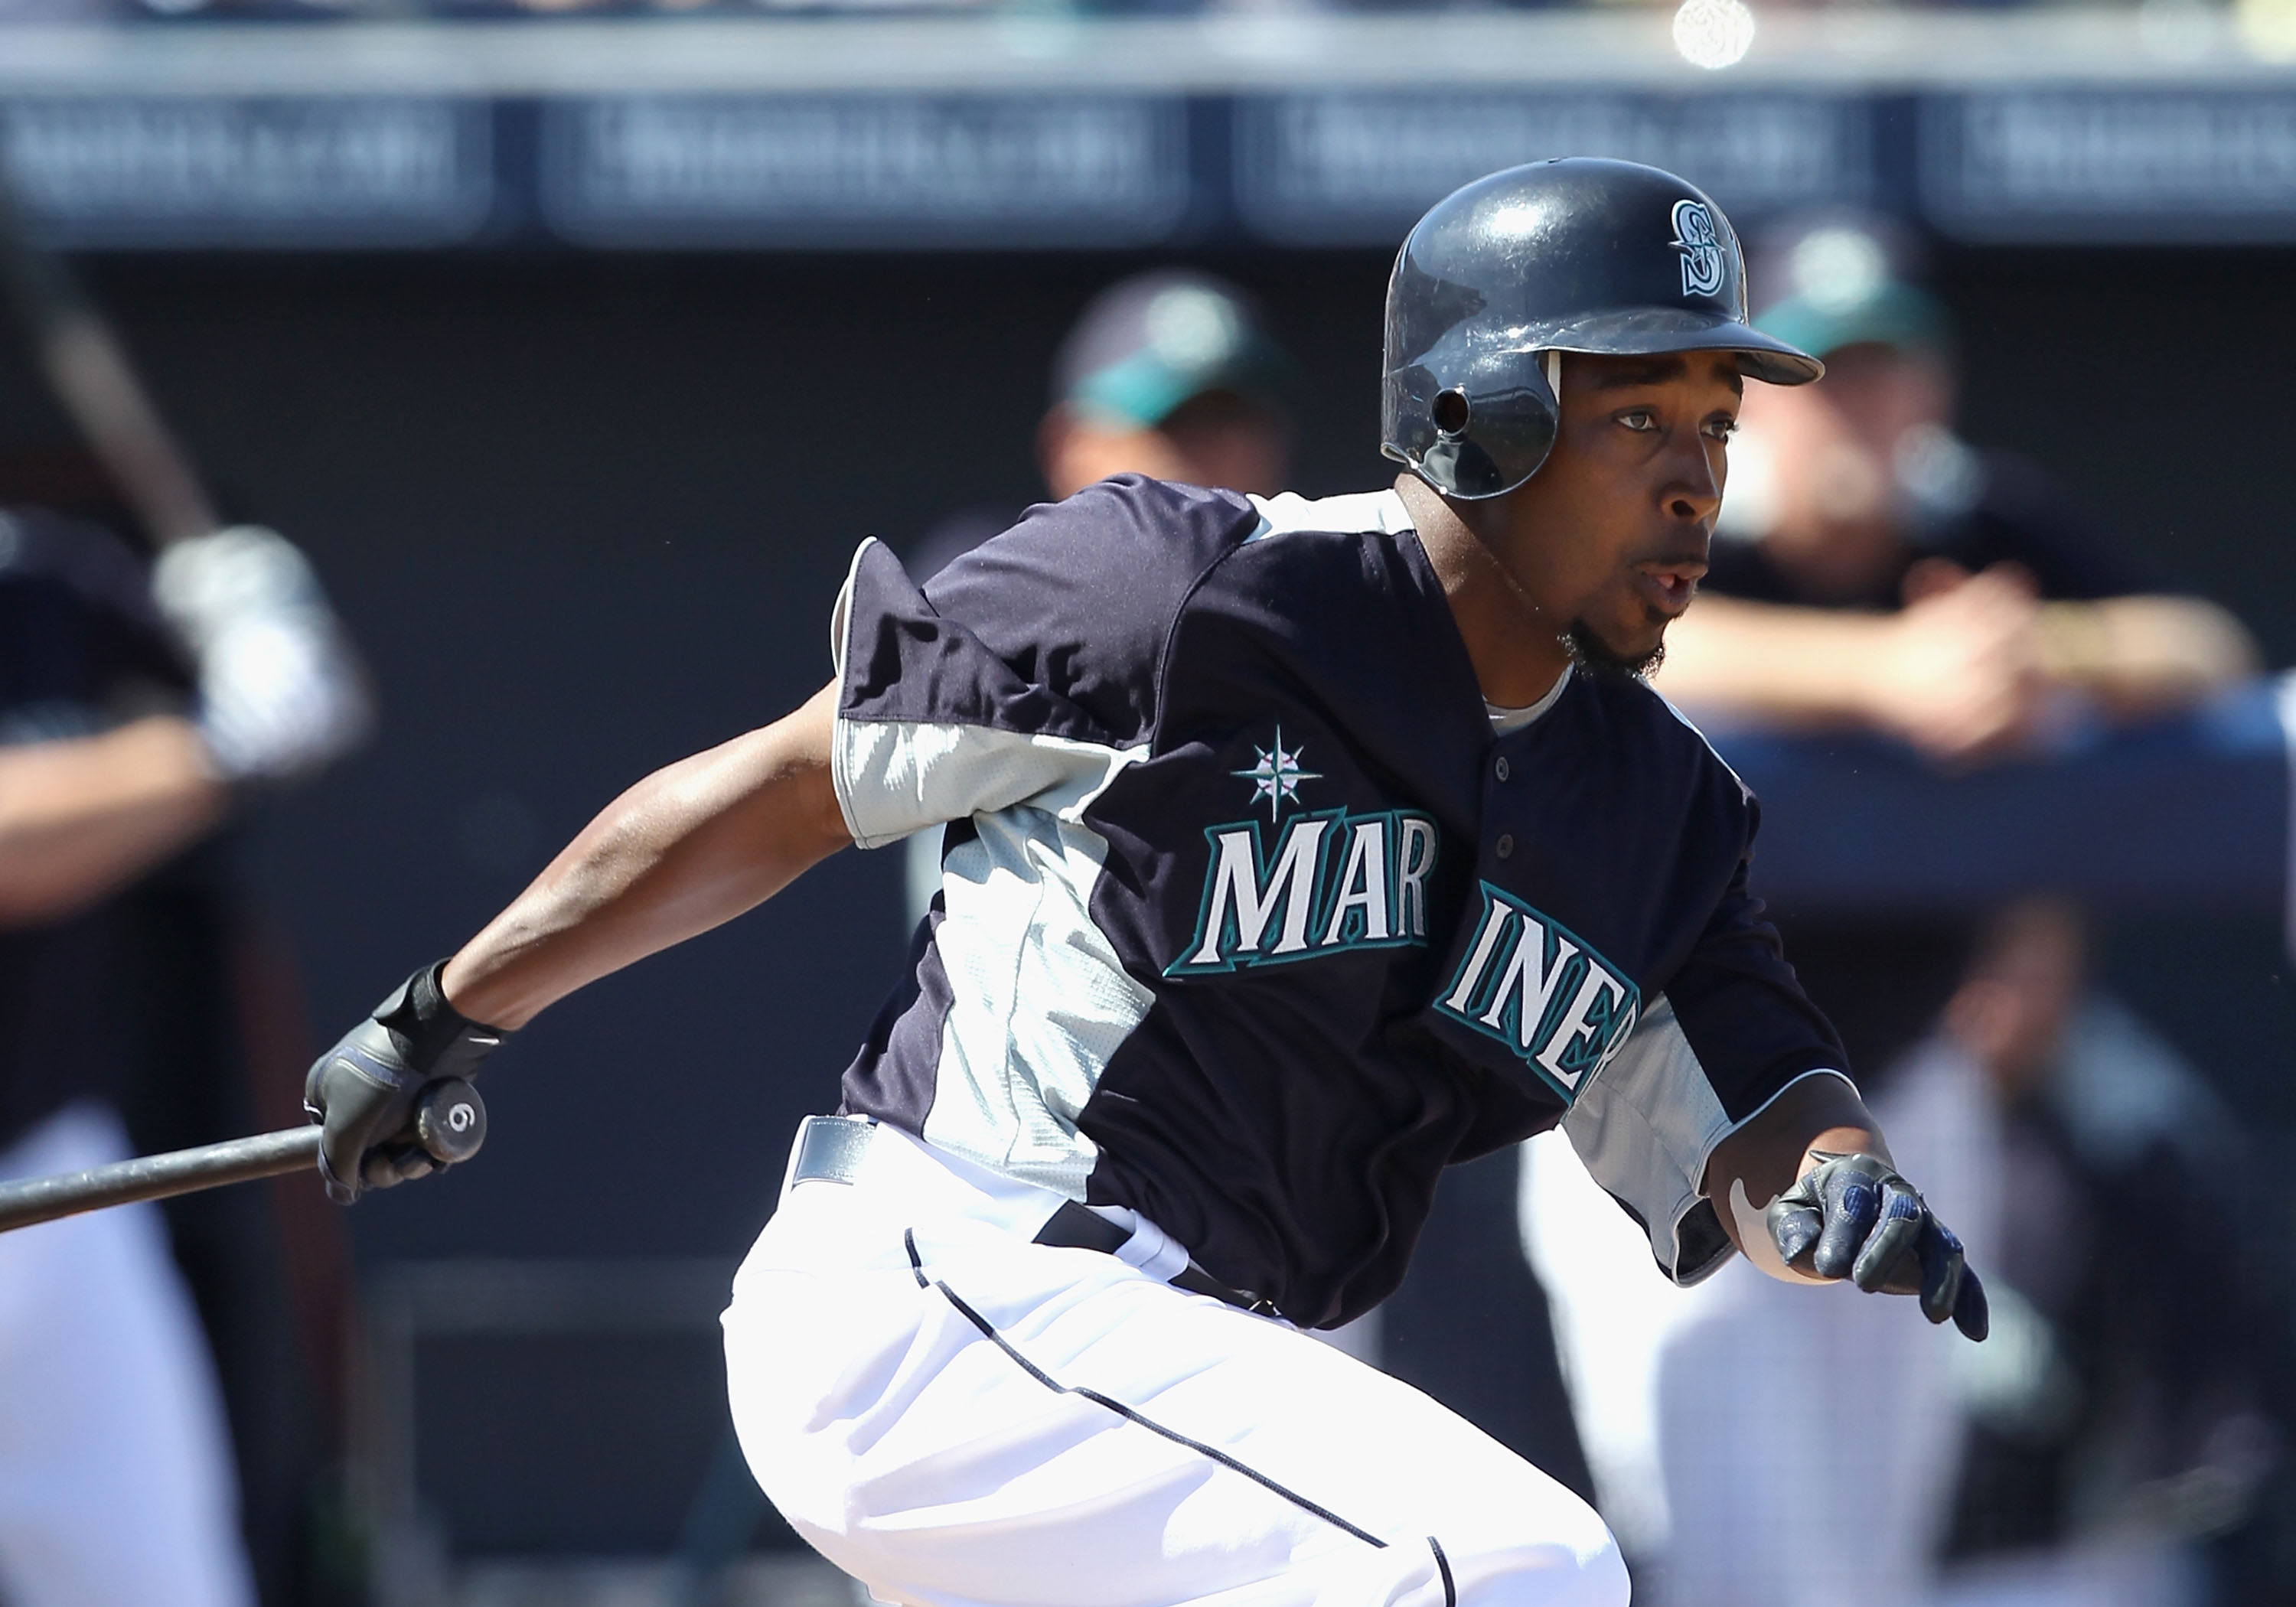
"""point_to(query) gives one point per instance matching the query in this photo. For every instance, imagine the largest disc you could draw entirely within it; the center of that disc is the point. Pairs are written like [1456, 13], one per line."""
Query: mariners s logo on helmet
[1701, 249]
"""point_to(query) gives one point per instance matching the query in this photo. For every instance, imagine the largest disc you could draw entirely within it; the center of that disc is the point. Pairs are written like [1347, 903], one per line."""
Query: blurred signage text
[182, 170]
[2045, 165]
[1344, 168]
[873, 169]
[995, 171]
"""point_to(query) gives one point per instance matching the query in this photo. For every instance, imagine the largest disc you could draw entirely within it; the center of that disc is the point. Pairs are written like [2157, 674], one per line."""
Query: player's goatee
[1590, 653]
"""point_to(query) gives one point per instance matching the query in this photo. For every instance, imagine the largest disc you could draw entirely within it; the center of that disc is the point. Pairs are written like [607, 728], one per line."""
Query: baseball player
[138, 705]
[1295, 850]
[1173, 373]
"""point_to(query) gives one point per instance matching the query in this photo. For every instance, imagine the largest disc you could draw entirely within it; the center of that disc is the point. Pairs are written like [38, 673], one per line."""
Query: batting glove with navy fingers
[1854, 1217]
[367, 1089]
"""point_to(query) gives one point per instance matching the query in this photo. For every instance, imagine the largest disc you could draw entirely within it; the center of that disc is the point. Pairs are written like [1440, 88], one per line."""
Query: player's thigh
[1033, 1426]
[1462, 1519]
[111, 1409]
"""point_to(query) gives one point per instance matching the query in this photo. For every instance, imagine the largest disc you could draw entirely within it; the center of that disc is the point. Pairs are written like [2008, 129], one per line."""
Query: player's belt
[829, 1150]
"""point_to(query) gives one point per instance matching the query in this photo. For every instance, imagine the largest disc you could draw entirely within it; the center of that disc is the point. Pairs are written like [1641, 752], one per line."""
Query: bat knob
[451, 1121]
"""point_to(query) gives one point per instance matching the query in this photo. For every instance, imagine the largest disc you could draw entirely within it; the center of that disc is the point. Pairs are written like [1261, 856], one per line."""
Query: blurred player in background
[2118, 1442]
[2143, 1400]
[136, 703]
[1171, 375]
[1873, 570]
[1167, 373]
[1887, 576]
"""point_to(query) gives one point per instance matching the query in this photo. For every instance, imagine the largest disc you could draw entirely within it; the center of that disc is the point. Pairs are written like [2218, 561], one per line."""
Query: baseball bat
[450, 1123]
[87, 368]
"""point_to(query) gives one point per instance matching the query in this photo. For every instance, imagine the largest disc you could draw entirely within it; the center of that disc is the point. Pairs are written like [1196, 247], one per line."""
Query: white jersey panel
[894, 777]
[1040, 1000]
[1359, 511]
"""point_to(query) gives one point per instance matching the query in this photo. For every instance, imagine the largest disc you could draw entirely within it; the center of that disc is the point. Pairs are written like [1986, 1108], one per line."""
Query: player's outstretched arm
[81, 817]
[689, 848]
[1808, 1192]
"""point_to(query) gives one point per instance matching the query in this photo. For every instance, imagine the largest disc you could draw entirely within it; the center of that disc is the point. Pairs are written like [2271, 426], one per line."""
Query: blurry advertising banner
[2041, 166]
[197, 171]
[976, 169]
[1359, 167]
[853, 170]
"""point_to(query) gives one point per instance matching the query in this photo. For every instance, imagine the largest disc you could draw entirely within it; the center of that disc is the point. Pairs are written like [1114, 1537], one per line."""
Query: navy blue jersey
[1249, 923]
[82, 648]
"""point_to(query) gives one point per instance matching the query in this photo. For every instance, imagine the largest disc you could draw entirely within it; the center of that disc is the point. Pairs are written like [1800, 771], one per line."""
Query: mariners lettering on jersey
[1543, 991]
[1337, 880]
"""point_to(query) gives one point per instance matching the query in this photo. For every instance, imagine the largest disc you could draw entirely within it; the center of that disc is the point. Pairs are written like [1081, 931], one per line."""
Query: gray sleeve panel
[1646, 1130]
[893, 778]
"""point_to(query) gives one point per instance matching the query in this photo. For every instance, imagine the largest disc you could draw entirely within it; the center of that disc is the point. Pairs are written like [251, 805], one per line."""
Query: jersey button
[1500, 769]
[1504, 847]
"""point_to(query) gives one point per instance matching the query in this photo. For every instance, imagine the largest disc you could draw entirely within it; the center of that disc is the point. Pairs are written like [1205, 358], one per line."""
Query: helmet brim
[1666, 330]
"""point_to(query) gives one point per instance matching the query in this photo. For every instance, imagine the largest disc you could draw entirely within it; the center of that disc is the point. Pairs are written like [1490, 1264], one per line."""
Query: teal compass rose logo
[1276, 776]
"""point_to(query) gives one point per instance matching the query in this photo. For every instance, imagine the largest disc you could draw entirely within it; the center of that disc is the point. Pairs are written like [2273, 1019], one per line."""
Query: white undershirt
[1506, 722]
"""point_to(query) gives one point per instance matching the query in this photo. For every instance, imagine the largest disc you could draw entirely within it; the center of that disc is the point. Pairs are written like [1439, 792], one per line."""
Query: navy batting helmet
[1576, 255]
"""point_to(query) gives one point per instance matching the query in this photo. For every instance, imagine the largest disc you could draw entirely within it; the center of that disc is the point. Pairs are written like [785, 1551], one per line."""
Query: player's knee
[1553, 1551]
[1544, 1573]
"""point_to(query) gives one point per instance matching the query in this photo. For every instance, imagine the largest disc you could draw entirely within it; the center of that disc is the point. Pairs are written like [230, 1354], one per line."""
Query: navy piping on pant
[988, 1331]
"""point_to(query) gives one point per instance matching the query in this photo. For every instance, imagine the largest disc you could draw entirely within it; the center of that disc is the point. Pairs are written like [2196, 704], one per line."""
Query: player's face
[1610, 535]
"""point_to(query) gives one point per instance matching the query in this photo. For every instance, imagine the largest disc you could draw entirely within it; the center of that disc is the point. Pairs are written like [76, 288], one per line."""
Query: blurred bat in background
[87, 368]
[281, 692]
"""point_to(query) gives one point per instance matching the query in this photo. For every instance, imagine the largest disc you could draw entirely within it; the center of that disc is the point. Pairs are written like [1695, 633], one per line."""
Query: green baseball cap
[1150, 343]
[1846, 280]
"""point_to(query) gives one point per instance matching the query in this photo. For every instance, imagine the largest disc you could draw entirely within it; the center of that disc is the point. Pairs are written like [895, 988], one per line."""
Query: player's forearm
[2140, 655]
[83, 817]
[1818, 1115]
[1803, 667]
[688, 848]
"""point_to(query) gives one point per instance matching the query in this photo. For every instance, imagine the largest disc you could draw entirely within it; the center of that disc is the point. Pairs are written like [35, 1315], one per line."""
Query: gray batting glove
[1854, 1217]
[364, 1090]
[281, 693]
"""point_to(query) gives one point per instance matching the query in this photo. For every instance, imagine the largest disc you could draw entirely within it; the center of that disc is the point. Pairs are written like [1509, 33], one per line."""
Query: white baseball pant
[959, 1417]
[116, 1481]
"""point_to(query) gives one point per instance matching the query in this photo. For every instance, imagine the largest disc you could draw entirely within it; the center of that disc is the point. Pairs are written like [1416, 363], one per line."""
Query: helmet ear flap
[1478, 431]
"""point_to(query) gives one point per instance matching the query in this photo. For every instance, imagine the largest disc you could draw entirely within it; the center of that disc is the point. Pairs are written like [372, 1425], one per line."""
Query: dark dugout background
[586, 514]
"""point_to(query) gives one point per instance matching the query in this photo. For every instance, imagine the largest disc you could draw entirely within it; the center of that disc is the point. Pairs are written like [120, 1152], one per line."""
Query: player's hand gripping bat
[450, 1123]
